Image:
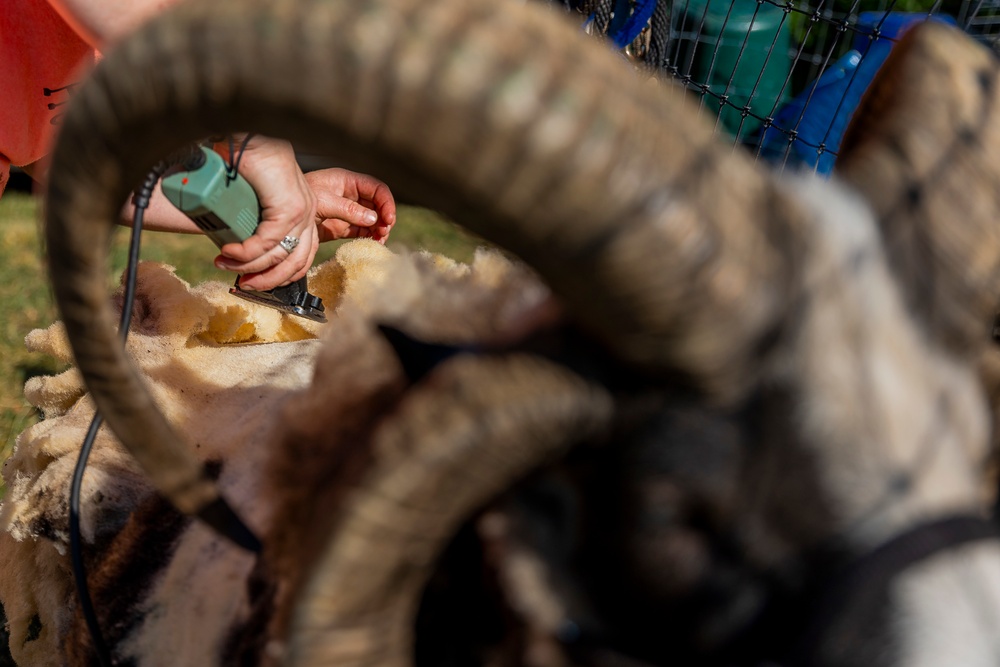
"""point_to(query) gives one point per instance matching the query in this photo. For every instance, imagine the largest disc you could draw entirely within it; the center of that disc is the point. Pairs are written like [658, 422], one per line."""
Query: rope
[659, 37]
[602, 15]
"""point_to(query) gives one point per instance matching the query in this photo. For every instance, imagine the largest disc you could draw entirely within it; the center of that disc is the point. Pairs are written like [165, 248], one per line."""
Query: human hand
[351, 205]
[288, 208]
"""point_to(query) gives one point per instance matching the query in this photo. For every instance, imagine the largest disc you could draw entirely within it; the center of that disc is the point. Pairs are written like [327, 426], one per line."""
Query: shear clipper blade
[294, 299]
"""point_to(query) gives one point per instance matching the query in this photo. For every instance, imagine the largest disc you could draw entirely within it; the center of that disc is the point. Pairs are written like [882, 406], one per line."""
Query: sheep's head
[684, 270]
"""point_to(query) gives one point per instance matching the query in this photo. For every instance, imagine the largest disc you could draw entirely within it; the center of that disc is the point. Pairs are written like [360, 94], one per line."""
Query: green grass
[26, 300]
[25, 304]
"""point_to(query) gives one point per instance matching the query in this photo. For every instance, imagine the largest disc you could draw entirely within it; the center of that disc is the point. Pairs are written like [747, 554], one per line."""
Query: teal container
[739, 48]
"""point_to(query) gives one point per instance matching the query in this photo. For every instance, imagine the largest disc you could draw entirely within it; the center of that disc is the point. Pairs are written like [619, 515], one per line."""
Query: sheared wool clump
[212, 361]
[228, 374]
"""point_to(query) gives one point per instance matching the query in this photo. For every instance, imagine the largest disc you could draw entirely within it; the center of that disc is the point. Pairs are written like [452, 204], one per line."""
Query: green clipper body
[226, 208]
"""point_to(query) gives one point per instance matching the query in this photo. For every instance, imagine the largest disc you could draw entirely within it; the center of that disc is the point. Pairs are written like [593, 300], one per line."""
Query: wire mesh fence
[781, 78]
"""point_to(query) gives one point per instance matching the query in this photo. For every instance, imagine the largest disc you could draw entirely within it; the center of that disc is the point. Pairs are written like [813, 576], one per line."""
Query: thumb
[330, 206]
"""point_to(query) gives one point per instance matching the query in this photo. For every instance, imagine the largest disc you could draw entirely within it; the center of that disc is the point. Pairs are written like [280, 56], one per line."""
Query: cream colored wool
[227, 373]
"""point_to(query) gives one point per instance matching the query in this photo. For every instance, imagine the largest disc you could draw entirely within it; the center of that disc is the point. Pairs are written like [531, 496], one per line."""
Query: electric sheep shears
[224, 206]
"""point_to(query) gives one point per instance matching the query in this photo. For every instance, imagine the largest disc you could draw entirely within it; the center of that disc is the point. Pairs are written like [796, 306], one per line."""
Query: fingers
[352, 205]
[331, 206]
[277, 266]
[376, 194]
[320, 206]
[263, 249]
[288, 208]
[384, 203]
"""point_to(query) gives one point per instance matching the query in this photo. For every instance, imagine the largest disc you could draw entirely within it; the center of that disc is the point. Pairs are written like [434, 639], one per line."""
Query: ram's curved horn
[460, 439]
[923, 148]
[674, 250]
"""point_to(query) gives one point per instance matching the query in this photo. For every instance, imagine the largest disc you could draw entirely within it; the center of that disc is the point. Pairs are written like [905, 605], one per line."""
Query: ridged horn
[475, 427]
[673, 249]
[923, 148]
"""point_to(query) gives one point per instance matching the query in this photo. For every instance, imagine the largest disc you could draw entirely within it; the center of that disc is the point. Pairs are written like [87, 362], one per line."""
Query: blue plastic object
[626, 26]
[819, 115]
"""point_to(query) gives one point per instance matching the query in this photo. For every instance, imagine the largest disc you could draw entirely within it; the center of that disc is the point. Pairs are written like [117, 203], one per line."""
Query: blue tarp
[819, 115]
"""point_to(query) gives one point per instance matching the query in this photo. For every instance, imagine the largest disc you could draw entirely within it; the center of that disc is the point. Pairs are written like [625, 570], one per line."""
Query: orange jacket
[41, 58]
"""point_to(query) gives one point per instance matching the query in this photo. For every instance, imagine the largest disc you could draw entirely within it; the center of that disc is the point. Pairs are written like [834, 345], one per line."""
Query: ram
[752, 424]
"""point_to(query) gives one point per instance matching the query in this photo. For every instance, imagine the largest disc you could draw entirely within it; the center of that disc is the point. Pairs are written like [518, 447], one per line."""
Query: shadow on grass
[13, 419]
[35, 368]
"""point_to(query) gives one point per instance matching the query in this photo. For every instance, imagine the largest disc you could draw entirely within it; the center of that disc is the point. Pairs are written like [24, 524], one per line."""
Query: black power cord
[236, 156]
[76, 548]
[189, 158]
[141, 202]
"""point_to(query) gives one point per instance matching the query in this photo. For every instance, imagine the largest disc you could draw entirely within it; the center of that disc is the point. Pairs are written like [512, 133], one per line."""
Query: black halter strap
[802, 622]
[874, 570]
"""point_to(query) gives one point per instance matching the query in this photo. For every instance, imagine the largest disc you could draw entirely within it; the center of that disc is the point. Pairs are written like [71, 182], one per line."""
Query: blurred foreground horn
[476, 426]
[666, 244]
[924, 149]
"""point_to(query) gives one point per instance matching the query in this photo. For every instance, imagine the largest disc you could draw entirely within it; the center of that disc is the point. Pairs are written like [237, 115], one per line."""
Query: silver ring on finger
[288, 243]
